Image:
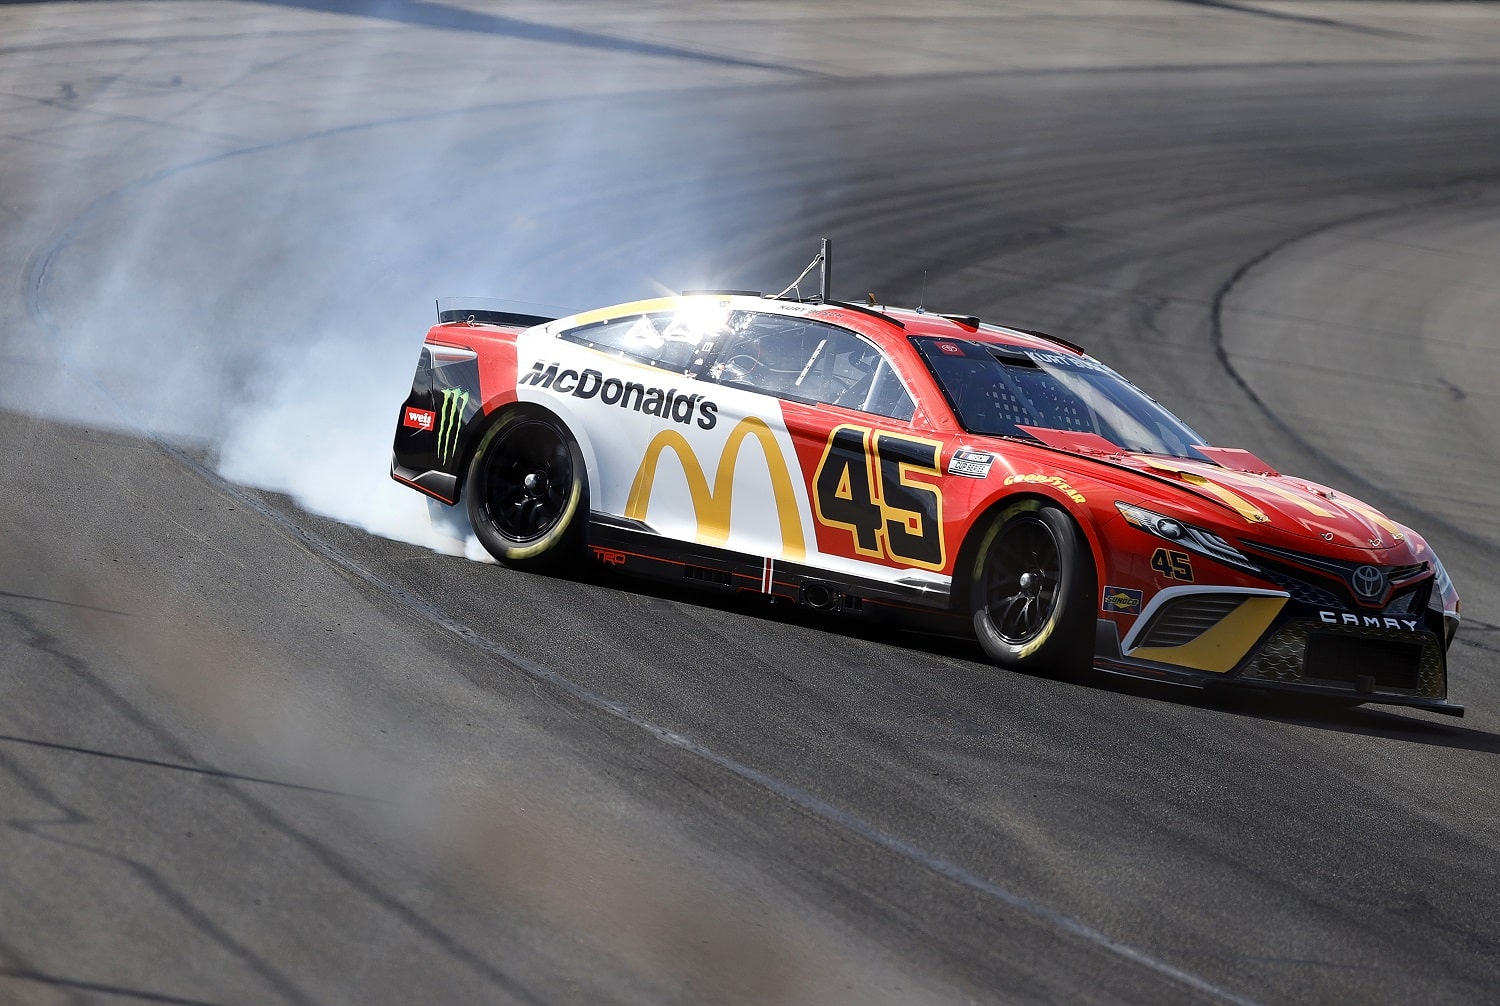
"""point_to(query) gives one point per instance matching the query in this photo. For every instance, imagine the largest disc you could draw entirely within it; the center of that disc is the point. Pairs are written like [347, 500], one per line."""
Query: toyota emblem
[1368, 582]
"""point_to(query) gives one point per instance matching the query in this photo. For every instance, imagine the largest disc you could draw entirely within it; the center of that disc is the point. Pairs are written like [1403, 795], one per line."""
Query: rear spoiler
[488, 313]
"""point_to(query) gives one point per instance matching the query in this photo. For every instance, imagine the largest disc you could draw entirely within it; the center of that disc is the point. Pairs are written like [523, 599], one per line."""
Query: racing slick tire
[1031, 591]
[526, 491]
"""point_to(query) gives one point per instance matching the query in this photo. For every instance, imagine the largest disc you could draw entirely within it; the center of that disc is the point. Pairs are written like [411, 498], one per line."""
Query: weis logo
[419, 419]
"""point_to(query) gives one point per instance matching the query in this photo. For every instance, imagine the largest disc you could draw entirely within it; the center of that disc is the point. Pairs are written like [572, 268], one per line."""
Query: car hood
[1271, 500]
[1264, 499]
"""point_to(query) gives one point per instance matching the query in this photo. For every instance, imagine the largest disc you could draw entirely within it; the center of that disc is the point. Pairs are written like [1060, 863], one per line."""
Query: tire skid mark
[177, 766]
[46, 829]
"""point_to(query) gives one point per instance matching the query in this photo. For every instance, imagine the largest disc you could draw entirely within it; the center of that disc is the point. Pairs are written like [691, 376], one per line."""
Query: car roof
[880, 323]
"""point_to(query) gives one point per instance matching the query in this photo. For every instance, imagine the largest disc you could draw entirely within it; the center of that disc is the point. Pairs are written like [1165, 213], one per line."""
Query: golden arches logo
[711, 506]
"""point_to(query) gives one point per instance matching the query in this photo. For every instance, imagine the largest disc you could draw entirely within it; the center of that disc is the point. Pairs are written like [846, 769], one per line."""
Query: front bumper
[1393, 661]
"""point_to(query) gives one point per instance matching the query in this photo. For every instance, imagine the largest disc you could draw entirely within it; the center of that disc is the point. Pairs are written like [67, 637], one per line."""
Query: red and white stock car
[983, 479]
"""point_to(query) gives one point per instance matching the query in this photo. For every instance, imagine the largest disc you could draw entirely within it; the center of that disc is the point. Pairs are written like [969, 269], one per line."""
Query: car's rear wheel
[526, 491]
[1031, 588]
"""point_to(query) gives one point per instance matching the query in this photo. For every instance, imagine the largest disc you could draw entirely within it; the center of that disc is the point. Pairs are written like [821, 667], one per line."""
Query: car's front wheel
[1031, 590]
[526, 490]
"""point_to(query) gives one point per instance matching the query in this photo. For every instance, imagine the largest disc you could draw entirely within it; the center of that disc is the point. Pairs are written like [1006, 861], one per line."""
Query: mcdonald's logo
[711, 506]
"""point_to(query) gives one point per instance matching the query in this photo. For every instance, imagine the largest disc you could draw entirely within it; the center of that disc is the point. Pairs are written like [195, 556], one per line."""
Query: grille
[1312, 653]
[1302, 591]
[1409, 601]
[1331, 589]
[1183, 620]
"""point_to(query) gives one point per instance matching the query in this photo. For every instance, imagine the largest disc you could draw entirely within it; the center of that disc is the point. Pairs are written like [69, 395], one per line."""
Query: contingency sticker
[974, 464]
[1122, 601]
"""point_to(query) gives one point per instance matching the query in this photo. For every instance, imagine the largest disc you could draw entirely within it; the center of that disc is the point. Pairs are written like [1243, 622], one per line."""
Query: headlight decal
[1184, 535]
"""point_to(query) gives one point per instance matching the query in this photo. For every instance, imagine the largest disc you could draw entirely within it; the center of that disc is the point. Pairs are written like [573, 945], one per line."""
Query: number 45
[864, 485]
[1172, 565]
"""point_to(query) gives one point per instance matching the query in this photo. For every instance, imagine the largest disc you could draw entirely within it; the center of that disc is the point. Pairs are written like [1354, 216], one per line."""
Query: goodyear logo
[1122, 601]
[711, 505]
[1046, 480]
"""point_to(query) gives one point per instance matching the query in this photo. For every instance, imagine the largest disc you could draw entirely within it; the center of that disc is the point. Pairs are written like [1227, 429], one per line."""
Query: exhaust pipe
[821, 596]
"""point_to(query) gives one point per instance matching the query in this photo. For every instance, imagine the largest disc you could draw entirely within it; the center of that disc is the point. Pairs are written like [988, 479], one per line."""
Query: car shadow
[1371, 720]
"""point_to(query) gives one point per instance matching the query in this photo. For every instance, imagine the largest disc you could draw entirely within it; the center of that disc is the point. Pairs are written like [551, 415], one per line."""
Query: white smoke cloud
[265, 301]
[269, 308]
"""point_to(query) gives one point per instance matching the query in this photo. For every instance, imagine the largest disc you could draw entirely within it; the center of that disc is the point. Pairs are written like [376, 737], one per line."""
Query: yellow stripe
[1238, 503]
[1265, 484]
[626, 310]
[1374, 516]
[1222, 646]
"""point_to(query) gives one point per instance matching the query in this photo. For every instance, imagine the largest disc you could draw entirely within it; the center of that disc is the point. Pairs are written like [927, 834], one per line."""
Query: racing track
[251, 754]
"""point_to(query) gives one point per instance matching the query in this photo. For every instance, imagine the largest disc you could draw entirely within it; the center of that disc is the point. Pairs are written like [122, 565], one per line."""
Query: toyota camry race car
[892, 461]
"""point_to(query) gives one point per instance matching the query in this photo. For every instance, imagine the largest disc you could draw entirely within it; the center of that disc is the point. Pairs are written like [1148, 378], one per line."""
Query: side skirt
[631, 547]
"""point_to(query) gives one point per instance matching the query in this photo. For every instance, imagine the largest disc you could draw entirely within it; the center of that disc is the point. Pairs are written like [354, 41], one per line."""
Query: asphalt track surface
[253, 754]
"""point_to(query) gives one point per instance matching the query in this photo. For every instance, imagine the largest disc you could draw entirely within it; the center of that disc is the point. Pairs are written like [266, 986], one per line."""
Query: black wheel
[525, 490]
[1031, 591]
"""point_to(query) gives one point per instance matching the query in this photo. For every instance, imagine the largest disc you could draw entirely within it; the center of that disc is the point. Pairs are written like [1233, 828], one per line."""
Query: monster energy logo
[455, 400]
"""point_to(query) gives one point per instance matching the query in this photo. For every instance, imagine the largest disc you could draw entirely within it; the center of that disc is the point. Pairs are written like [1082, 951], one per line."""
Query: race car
[932, 467]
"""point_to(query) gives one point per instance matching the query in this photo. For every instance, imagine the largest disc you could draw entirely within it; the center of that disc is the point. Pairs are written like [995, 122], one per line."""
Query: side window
[808, 361]
[668, 341]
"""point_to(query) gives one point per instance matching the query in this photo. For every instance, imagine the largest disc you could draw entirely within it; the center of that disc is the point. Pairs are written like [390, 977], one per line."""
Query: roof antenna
[827, 271]
[923, 299]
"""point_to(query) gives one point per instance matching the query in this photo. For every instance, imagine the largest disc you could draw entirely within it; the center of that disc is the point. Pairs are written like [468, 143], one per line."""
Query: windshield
[995, 390]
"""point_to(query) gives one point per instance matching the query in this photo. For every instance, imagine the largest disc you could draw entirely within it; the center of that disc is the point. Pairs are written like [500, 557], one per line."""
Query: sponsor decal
[1172, 565]
[419, 419]
[608, 556]
[711, 506]
[1070, 362]
[1367, 621]
[974, 464]
[455, 400]
[1122, 601]
[951, 348]
[591, 384]
[864, 485]
[1046, 480]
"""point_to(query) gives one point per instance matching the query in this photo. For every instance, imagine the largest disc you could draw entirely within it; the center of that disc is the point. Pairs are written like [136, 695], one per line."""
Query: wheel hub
[535, 485]
[1031, 585]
